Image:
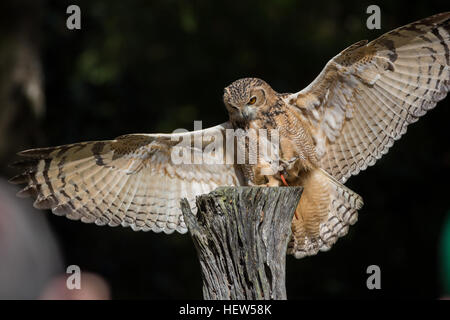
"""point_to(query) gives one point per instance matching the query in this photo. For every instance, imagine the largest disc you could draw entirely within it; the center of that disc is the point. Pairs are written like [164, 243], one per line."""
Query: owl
[340, 124]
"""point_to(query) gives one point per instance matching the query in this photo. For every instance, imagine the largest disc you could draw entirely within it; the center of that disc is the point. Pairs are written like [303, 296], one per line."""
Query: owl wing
[135, 180]
[366, 96]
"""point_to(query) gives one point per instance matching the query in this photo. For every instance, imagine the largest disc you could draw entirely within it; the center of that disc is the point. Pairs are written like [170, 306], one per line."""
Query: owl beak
[248, 113]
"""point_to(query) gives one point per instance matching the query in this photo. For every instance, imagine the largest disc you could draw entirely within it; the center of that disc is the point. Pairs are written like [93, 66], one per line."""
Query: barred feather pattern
[326, 210]
[129, 181]
[366, 96]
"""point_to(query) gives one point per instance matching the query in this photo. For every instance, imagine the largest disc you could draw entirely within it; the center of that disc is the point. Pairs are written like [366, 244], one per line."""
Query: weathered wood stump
[241, 236]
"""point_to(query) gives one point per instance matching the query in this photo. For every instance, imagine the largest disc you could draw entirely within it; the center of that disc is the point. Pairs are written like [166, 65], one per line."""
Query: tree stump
[241, 236]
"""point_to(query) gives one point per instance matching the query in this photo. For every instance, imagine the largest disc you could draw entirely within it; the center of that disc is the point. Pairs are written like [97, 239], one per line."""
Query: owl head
[245, 98]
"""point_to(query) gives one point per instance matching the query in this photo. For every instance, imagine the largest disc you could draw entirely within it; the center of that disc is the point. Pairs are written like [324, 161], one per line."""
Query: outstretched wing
[366, 96]
[135, 180]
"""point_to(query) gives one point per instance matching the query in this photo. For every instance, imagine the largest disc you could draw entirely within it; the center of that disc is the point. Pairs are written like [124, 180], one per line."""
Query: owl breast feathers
[343, 122]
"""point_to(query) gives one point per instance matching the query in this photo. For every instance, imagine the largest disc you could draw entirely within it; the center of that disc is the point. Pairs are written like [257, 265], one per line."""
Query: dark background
[155, 66]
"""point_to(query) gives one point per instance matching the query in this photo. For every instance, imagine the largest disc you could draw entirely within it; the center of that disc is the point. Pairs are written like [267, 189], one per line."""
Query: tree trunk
[241, 236]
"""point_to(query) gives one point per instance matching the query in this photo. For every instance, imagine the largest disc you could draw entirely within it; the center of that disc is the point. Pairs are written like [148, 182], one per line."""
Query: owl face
[246, 97]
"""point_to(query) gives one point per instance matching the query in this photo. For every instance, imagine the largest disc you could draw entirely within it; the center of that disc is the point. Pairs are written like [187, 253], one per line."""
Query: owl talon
[287, 165]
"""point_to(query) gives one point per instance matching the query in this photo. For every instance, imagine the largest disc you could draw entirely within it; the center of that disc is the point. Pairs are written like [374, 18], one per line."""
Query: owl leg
[266, 171]
[272, 182]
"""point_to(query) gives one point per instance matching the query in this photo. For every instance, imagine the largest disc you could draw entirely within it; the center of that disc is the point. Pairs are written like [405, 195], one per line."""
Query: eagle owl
[343, 122]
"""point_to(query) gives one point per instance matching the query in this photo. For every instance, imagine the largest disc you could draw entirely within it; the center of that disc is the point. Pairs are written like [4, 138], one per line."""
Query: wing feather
[130, 181]
[366, 96]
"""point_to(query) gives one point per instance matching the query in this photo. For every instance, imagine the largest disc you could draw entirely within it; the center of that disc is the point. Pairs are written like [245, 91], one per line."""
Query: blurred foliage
[154, 66]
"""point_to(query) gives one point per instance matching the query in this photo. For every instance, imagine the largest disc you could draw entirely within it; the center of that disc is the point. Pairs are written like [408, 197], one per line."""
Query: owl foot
[287, 165]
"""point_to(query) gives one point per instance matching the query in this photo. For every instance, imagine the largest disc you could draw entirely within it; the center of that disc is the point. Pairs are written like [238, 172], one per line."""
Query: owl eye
[252, 100]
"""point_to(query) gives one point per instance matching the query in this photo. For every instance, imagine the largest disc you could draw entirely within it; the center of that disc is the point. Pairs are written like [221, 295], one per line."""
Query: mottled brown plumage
[345, 120]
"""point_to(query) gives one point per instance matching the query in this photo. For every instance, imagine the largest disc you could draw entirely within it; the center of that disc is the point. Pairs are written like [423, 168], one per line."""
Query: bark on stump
[241, 236]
